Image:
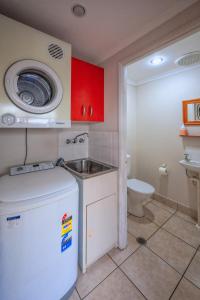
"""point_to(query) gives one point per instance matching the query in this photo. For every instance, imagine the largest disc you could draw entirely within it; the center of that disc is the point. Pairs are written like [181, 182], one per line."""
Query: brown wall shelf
[189, 135]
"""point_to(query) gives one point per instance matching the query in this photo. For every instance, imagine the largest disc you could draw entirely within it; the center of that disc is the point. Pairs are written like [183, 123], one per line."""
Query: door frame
[122, 117]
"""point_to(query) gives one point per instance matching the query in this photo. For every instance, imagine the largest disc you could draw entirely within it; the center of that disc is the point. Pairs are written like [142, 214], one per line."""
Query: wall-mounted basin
[191, 165]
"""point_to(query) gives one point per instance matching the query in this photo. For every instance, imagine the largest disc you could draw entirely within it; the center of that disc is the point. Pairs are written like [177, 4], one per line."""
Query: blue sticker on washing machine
[66, 242]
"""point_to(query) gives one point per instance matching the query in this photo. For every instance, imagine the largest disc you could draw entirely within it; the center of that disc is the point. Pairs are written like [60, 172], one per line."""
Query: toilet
[137, 191]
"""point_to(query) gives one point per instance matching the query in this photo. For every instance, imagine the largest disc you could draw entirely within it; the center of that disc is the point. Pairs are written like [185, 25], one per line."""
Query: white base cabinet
[98, 211]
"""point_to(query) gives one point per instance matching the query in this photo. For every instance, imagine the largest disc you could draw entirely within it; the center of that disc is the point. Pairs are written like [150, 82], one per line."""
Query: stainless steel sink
[87, 167]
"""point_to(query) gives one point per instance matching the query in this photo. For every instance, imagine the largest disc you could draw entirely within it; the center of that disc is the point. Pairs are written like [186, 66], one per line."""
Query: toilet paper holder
[163, 170]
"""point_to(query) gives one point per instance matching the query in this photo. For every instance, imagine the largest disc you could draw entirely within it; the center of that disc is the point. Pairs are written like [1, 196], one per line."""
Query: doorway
[152, 59]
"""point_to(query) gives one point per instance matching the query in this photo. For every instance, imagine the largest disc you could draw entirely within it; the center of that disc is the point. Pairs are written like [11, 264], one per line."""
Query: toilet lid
[140, 186]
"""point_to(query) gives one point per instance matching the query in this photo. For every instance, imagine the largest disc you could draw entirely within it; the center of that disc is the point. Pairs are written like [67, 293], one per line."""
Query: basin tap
[187, 156]
[77, 139]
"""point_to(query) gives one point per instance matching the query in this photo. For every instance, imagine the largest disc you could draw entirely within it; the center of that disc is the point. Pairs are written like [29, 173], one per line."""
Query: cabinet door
[87, 92]
[101, 228]
[96, 102]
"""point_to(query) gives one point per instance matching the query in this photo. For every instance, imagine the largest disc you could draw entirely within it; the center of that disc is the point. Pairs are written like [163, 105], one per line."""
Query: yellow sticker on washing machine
[66, 225]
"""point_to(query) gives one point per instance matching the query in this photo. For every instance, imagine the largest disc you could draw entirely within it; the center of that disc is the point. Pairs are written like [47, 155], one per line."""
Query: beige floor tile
[145, 202]
[157, 214]
[141, 227]
[184, 230]
[119, 256]
[193, 272]
[74, 296]
[186, 291]
[94, 275]
[164, 206]
[185, 217]
[154, 278]
[115, 287]
[173, 250]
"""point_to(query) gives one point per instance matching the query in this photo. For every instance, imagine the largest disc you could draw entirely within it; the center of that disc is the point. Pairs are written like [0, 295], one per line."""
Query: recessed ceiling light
[78, 10]
[157, 60]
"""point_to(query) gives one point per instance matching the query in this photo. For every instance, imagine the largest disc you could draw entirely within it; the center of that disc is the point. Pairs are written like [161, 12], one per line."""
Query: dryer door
[33, 86]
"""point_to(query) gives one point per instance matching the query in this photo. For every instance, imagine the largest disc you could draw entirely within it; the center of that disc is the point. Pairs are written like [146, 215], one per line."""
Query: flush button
[8, 119]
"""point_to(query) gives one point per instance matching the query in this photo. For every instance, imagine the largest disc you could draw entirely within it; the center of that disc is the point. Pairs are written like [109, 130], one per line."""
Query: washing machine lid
[35, 185]
[140, 186]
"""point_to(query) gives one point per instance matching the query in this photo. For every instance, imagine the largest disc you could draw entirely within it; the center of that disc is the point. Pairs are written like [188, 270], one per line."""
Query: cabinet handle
[83, 110]
[91, 111]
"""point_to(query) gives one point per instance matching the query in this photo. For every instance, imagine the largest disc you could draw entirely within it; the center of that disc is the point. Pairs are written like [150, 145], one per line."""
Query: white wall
[159, 117]
[178, 26]
[173, 29]
[131, 128]
[43, 144]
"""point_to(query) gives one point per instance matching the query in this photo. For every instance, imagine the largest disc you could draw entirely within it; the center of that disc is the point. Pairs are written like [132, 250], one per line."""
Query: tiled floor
[166, 267]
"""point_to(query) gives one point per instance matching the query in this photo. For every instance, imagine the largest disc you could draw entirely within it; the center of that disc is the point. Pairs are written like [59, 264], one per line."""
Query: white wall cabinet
[98, 211]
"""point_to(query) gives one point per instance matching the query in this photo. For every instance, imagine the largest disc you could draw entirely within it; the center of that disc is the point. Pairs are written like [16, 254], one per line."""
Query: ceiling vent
[78, 10]
[55, 51]
[189, 59]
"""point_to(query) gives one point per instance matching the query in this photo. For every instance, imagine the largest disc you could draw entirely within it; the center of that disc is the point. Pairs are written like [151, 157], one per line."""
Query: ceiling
[143, 71]
[107, 27]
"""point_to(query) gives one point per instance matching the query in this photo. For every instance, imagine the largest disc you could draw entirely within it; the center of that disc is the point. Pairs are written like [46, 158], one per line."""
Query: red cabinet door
[87, 93]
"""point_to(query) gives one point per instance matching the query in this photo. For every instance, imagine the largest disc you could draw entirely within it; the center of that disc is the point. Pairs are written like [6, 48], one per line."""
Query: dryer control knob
[8, 119]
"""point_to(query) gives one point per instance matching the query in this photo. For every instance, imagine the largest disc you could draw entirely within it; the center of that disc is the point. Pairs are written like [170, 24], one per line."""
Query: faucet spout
[187, 156]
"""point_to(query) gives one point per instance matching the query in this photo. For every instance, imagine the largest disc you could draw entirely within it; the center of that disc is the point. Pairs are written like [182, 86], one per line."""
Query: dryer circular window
[33, 86]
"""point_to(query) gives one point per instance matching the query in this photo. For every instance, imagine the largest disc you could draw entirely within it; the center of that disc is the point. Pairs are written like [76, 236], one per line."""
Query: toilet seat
[139, 186]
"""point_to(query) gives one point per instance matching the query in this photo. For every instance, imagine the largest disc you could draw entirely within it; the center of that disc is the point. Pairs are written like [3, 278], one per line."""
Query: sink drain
[141, 240]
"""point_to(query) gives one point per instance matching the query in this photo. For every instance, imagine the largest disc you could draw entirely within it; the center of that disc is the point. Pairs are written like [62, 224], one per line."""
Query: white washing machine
[38, 235]
[35, 77]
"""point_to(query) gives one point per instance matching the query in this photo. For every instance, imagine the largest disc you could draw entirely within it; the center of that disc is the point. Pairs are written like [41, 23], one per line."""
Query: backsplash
[103, 146]
[50, 144]
[72, 151]
[194, 152]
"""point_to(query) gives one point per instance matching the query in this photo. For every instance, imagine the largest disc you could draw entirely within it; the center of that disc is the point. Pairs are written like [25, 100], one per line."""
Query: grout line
[183, 275]
[78, 293]
[190, 222]
[150, 201]
[113, 259]
[100, 282]
[162, 227]
[165, 260]
[148, 247]
[196, 249]
[130, 255]
[180, 238]
[131, 234]
[191, 282]
[118, 267]
[175, 209]
[159, 227]
[133, 283]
